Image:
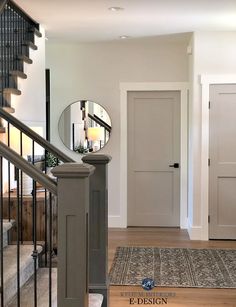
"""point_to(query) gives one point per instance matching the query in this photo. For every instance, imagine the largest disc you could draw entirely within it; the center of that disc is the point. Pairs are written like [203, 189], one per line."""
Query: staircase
[27, 279]
[30, 271]
[27, 300]
[9, 258]
[17, 31]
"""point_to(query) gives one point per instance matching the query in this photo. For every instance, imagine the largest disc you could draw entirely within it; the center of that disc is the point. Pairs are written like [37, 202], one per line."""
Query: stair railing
[72, 192]
[17, 31]
[98, 211]
[10, 119]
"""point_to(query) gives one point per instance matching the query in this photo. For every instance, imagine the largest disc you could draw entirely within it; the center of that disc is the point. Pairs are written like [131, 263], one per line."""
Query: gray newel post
[98, 226]
[73, 205]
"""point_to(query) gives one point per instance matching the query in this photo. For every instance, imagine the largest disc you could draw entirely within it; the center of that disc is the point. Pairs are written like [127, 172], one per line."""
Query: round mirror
[84, 126]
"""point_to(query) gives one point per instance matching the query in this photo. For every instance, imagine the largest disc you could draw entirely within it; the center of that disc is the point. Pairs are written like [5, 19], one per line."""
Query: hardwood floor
[168, 237]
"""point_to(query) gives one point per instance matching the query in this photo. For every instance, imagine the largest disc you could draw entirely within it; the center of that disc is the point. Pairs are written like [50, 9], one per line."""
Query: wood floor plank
[168, 237]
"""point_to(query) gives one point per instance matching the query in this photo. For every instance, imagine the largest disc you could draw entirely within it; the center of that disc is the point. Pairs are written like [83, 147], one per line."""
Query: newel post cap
[96, 159]
[73, 170]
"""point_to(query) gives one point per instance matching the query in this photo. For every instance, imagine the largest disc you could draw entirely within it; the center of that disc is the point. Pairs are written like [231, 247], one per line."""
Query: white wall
[213, 54]
[30, 106]
[94, 71]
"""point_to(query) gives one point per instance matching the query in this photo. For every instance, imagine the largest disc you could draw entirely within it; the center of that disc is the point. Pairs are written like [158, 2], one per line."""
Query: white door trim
[160, 86]
[206, 81]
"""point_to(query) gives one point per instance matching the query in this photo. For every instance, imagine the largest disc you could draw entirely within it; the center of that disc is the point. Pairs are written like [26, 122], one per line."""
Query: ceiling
[91, 20]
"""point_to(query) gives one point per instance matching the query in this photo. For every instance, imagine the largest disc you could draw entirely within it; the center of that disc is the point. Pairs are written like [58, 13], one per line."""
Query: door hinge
[209, 105]
[209, 218]
[209, 162]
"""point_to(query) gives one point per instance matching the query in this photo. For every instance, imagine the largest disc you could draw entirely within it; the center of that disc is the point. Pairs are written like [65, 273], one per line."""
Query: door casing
[183, 87]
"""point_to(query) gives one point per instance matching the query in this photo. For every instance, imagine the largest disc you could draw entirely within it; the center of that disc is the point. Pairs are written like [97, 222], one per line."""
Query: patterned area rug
[174, 267]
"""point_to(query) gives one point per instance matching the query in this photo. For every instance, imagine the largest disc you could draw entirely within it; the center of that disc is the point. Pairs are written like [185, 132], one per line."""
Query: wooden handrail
[23, 13]
[28, 168]
[99, 121]
[34, 136]
[2, 5]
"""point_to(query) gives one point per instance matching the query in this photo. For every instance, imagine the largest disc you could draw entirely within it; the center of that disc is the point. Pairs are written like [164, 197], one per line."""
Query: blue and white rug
[174, 267]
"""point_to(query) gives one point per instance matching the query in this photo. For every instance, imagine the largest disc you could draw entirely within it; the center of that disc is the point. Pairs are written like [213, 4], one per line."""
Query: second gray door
[222, 172]
[153, 149]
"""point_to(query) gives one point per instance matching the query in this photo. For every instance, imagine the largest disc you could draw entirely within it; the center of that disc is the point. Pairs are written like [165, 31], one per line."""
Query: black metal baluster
[14, 65]
[73, 136]
[1, 59]
[17, 41]
[18, 236]
[9, 175]
[1, 226]
[8, 49]
[9, 43]
[45, 212]
[4, 53]
[21, 192]
[50, 249]
[20, 26]
[35, 252]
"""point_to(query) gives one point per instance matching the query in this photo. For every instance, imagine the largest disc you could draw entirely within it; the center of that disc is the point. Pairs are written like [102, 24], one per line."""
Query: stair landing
[27, 292]
[10, 268]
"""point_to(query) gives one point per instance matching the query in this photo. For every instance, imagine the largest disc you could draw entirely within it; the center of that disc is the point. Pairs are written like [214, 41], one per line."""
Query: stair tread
[30, 44]
[10, 267]
[95, 300]
[9, 109]
[18, 73]
[7, 225]
[9, 258]
[25, 59]
[36, 32]
[27, 291]
[11, 90]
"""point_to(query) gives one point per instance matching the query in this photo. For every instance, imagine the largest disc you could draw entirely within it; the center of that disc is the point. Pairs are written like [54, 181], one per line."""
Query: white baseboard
[184, 223]
[115, 221]
[196, 233]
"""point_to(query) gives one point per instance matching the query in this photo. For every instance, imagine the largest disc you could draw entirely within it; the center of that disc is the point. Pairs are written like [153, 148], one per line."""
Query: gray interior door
[153, 145]
[222, 171]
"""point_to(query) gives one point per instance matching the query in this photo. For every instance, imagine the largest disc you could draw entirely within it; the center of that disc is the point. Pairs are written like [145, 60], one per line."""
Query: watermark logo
[148, 297]
[148, 284]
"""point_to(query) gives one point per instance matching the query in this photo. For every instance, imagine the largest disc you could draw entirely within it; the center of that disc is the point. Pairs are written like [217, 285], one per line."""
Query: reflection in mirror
[84, 126]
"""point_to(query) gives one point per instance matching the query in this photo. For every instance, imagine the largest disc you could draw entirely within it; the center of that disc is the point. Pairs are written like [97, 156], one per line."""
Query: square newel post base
[73, 238]
[98, 226]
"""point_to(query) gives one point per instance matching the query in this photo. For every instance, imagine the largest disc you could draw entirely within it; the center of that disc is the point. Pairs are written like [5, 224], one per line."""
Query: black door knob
[175, 165]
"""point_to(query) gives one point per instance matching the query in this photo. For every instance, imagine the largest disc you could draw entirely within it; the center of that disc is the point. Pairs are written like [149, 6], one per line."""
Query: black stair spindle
[50, 249]
[21, 192]
[45, 213]
[8, 44]
[9, 174]
[35, 251]
[1, 59]
[18, 236]
[1, 226]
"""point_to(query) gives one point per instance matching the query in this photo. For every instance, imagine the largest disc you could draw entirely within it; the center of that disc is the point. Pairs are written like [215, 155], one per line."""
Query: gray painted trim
[73, 238]
[96, 159]
[73, 170]
[28, 168]
[98, 227]
[2, 5]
